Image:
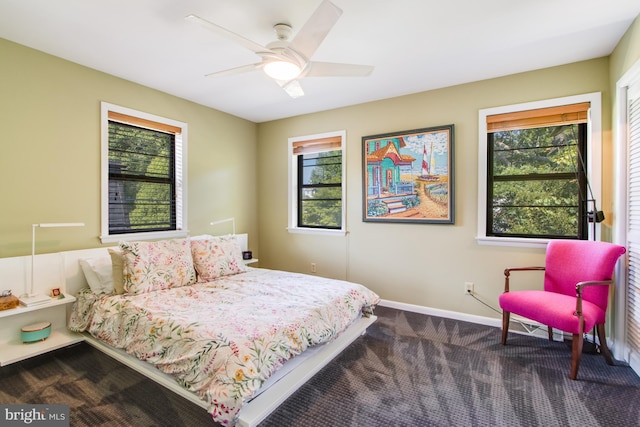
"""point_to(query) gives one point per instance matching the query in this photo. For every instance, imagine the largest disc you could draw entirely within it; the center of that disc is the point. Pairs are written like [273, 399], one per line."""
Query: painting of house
[407, 176]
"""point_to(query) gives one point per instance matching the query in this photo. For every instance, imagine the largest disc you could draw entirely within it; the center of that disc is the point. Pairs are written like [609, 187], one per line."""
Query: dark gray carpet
[417, 370]
[99, 390]
[408, 370]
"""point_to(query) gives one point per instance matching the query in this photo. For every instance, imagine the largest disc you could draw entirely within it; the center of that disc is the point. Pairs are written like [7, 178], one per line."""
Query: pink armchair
[577, 275]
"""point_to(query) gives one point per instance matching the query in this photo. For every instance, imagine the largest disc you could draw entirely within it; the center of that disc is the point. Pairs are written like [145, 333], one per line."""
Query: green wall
[50, 161]
[422, 264]
[626, 53]
[50, 156]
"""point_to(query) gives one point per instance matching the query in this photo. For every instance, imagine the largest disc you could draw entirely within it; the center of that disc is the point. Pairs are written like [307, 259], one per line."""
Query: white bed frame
[297, 372]
[63, 271]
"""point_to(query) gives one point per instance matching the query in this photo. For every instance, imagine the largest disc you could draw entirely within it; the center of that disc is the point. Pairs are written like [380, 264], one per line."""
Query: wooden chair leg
[505, 326]
[576, 353]
[604, 349]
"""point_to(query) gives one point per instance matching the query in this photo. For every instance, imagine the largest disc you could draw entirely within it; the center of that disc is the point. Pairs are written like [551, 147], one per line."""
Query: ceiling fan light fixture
[282, 70]
[293, 89]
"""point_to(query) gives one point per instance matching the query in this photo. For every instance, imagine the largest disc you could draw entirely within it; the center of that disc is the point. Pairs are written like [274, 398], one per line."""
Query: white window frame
[594, 158]
[180, 184]
[293, 186]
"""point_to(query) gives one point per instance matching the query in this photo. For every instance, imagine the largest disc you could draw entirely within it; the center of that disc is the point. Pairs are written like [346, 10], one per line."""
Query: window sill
[316, 231]
[512, 241]
[154, 235]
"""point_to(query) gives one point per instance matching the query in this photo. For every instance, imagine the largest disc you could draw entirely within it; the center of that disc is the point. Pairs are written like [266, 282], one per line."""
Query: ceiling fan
[288, 61]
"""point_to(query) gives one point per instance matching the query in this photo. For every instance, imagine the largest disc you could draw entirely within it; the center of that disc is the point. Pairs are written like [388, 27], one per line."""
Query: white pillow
[201, 237]
[99, 274]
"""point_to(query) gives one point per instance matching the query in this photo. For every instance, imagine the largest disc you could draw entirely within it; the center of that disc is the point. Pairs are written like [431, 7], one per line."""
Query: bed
[190, 314]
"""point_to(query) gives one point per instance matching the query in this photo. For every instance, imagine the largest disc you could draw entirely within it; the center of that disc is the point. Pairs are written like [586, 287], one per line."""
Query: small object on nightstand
[35, 299]
[55, 293]
[35, 332]
[8, 301]
[247, 255]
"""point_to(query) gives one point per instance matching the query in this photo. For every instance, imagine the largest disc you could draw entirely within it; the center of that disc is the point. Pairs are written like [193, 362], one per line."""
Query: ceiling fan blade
[246, 43]
[236, 70]
[316, 29]
[333, 69]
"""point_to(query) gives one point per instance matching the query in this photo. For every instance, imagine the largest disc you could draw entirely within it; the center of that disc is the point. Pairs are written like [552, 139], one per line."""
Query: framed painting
[408, 176]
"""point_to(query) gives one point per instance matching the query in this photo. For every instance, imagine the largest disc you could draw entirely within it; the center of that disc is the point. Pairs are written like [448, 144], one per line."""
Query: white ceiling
[415, 45]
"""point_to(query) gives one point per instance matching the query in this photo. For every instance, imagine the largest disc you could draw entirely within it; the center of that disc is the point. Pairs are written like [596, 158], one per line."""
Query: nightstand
[12, 349]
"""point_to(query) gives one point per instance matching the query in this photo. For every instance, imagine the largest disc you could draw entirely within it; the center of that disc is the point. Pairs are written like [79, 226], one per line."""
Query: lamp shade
[232, 220]
[59, 224]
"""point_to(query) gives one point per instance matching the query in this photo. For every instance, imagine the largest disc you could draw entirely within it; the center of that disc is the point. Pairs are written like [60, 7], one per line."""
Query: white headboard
[58, 270]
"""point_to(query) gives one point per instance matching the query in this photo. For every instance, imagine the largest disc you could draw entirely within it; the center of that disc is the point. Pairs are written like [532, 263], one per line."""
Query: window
[143, 190]
[316, 190]
[535, 174]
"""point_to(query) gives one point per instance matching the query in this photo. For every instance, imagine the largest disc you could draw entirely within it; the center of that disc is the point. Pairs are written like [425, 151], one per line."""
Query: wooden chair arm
[507, 272]
[581, 285]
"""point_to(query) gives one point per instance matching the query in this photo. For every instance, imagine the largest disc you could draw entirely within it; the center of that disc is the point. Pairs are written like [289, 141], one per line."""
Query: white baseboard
[634, 362]
[518, 325]
[465, 317]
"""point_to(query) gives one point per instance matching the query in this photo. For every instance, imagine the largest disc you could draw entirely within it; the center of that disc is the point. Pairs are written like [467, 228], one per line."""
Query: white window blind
[633, 225]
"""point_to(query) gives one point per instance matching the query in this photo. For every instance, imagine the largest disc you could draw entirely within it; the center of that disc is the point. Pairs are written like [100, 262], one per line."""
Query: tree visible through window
[143, 184]
[141, 179]
[320, 189]
[536, 182]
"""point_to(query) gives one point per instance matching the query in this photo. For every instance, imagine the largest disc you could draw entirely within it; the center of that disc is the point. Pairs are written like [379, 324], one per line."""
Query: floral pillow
[217, 257]
[152, 266]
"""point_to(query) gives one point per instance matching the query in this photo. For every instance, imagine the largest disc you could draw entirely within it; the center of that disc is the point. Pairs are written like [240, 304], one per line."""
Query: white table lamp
[32, 298]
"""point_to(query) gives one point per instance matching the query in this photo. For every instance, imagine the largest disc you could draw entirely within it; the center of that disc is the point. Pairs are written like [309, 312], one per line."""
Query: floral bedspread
[223, 339]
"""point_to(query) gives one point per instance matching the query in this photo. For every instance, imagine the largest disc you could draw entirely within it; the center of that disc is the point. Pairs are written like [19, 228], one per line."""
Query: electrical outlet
[313, 267]
[468, 288]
